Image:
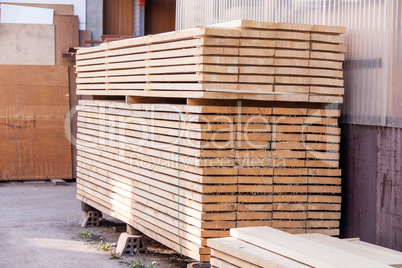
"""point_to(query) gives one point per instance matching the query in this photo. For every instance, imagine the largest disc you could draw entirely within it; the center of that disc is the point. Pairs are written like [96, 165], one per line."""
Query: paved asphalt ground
[39, 227]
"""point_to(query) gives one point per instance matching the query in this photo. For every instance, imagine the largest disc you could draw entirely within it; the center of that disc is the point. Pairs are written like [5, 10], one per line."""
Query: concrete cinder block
[199, 265]
[57, 182]
[90, 218]
[130, 244]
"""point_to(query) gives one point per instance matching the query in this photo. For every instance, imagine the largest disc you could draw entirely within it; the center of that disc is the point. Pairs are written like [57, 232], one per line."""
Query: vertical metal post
[139, 17]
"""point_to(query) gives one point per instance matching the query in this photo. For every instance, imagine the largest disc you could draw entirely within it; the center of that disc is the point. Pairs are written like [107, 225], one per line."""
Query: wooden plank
[196, 109]
[326, 55]
[172, 164]
[327, 47]
[255, 255]
[149, 230]
[191, 207]
[215, 254]
[83, 36]
[328, 38]
[109, 167]
[324, 215]
[34, 104]
[186, 94]
[66, 36]
[303, 250]
[376, 253]
[27, 44]
[164, 216]
[73, 117]
[154, 204]
[325, 64]
[59, 9]
[213, 48]
[216, 262]
[327, 90]
[328, 29]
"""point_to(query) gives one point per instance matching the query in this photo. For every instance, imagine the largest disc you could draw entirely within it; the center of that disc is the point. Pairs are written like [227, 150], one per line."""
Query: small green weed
[104, 246]
[140, 264]
[114, 255]
[86, 235]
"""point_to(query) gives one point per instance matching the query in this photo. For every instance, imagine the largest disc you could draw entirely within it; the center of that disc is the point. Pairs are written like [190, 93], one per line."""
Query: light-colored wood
[303, 250]
[267, 247]
[215, 262]
[218, 55]
[328, 38]
[215, 254]
[328, 29]
[27, 44]
[376, 253]
[237, 249]
[139, 225]
[244, 191]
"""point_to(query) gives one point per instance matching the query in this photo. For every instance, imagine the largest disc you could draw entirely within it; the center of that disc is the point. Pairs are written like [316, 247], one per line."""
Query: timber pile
[248, 60]
[267, 247]
[182, 174]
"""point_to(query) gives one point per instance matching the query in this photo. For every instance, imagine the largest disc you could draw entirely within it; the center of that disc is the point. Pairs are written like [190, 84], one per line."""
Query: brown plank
[58, 8]
[118, 17]
[85, 35]
[67, 35]
[32, 116]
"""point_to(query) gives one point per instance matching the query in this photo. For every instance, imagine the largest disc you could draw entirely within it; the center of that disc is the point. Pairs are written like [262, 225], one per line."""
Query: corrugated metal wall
[373, 67]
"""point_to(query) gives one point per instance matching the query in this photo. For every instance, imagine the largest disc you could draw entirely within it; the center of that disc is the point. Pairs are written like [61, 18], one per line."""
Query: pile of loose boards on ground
[267, 247]
[36, 87]
[204, 155]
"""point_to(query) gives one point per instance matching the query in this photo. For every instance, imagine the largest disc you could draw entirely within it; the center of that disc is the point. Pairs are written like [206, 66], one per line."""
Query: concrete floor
[39, 228]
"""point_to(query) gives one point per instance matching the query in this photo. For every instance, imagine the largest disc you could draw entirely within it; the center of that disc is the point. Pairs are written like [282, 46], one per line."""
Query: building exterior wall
[371, 161]
[389, 187]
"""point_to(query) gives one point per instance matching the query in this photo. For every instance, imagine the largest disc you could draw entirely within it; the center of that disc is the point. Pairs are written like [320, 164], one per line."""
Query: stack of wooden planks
[184, 173]
[267, 247]
[239, 60]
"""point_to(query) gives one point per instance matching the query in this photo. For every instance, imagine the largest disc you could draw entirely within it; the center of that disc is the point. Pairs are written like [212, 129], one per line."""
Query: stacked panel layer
[182, 174]
[248, 60]
[266, 247]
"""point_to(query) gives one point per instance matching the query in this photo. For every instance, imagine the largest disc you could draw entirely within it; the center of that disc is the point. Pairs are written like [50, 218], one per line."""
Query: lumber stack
[239, 60]
[182, 174]
[268, 247]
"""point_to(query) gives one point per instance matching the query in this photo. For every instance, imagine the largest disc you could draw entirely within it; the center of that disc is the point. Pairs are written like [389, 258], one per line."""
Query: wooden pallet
[283, 63]
[268, 247]
[209, 168]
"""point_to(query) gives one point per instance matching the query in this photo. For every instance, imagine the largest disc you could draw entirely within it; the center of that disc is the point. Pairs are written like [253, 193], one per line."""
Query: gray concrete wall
[372, 184]
[95, 18]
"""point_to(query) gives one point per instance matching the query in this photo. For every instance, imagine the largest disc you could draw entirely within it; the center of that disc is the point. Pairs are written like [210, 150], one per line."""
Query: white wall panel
[79, 7]
[27, 15]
